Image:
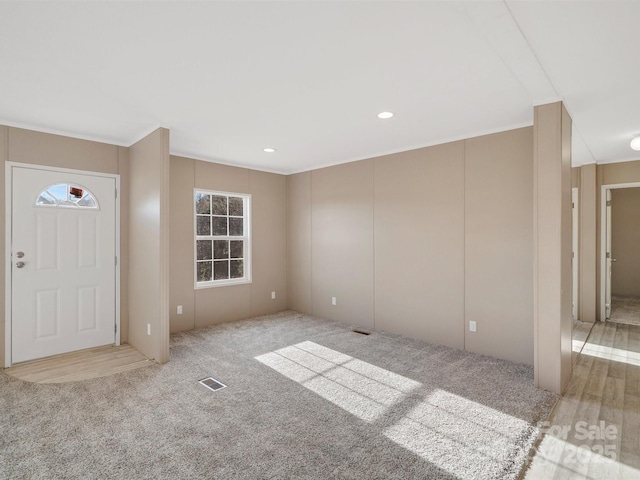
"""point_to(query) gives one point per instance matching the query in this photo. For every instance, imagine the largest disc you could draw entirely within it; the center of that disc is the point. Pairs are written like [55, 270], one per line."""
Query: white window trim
[247, 238]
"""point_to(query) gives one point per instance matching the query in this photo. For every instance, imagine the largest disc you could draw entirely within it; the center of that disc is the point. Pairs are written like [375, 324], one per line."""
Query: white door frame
[8, 238]
[603, 240]
[575, 227]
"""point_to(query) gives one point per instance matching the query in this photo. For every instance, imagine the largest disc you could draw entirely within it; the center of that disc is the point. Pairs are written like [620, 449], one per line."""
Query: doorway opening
[620, 253]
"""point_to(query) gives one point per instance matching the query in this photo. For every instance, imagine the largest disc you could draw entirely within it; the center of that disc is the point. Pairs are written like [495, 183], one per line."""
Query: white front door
[63, 262]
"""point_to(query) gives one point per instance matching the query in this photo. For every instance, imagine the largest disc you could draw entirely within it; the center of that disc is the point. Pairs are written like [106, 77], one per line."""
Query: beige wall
[625, 238]
[610, 174]
[123, 170]
[499, 244]
[552, 247]
[413, 242]
[4, 154]
[149, 245]
[622, 172]
[26, 146]
[587, 256]
[269, 242]
[419, 244]
[209, 306]
[342, 242]
[181, 241]
[299, 242]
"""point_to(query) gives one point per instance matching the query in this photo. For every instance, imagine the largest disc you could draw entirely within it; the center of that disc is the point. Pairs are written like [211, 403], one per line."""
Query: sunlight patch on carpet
[455, 433]
[358, 387]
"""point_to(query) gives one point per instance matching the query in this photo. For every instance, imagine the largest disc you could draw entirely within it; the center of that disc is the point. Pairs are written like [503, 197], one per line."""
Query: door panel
[63, 293]
[608, 260]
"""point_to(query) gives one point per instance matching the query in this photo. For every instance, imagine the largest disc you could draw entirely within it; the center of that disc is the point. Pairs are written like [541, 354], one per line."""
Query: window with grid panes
[222, 249]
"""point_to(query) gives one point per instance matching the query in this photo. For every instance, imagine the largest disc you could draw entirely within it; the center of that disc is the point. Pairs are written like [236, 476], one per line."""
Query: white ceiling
[308, 78]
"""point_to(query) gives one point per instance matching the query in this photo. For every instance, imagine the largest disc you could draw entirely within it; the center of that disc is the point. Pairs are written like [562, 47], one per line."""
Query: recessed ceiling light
[635, 143]
[269, 150]
[385, 115]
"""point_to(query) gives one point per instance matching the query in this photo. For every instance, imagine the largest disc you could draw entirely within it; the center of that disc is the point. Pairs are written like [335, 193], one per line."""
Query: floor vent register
[212, 384]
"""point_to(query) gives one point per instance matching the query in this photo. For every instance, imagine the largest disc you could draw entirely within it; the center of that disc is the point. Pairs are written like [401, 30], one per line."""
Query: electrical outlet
[273, 295]
[148, 329]
[179, 309]
[473, 327]
[333, 301]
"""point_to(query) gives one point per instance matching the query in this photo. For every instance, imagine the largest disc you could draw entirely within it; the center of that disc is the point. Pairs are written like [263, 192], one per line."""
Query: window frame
[246, 237]
[69, 204]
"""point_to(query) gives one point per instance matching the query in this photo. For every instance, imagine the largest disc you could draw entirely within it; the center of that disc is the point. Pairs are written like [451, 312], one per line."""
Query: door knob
[19, 264]
[20, 254]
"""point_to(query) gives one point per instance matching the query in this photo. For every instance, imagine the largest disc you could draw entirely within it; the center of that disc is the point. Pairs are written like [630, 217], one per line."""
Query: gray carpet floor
[625, 309]
[305, 398]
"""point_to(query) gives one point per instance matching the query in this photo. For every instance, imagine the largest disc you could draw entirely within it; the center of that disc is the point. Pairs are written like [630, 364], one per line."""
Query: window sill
[225, 283]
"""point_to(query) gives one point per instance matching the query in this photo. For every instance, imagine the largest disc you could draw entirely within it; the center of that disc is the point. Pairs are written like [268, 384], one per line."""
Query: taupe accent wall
[269, 242]
[400, 242]
[342, 242]
[123, 170]
[610, 174]
[589, 179]
[625, 241]
[208, 306]
[587, 244]
[419, 244]
[4, 154]
[499, 244]
[622, 172]
[26, 146]
[181, 241]
[149, 245]
[299, 242]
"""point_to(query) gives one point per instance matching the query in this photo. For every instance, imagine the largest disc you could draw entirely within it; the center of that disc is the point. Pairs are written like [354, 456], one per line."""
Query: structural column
[552, 247]
[149, 245]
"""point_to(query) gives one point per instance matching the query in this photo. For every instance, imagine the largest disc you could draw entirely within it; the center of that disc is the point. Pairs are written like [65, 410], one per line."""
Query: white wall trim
[603, 239]
[8, 236]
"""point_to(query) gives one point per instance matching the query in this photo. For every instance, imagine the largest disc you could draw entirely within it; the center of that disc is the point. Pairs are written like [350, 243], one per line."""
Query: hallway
[594, 429]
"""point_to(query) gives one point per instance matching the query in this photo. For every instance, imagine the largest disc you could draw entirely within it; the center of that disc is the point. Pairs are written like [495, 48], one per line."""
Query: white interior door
[574, 258]
[609, 260]
[63, 261]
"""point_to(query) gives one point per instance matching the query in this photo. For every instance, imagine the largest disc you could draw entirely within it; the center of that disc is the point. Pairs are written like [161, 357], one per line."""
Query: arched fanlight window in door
[66, 195]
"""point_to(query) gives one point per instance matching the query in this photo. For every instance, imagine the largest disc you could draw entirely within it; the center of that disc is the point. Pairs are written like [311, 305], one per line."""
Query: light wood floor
[581, 331]
[82, 365]
[601, 401]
